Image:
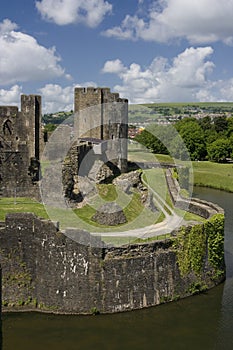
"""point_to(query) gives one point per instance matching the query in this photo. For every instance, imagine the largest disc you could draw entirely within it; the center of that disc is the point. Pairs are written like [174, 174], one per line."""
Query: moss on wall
[47, 270]
[193, 244]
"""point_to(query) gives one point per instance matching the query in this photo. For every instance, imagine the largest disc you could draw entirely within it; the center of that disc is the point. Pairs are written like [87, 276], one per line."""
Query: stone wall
[193, 205]
[20, 141]
[47, 270]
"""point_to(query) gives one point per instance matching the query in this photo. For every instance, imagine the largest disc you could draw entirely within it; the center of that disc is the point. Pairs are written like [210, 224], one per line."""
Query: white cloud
[23, 59]
[202, 22]
[180, 80]
[10, 97]
[226, 89]
[115, 66]
[6, 26]
[54, 97]
[63, 12]
[57, 98]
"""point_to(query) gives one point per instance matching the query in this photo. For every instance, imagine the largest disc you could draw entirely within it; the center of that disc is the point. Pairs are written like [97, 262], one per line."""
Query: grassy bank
[208, 174]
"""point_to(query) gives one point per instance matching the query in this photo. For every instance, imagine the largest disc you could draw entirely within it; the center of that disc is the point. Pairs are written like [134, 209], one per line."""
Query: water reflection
[188, 324]
[225, 200]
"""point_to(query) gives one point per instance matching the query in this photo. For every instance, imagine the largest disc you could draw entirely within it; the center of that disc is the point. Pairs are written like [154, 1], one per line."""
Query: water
[201, 322]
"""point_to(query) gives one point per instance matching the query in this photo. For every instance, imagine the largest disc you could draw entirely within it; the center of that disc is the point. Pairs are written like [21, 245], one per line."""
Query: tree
[193, 137]
[49, 127]
[149, 139]
[220, 124]
[178, 149]
[230, 126]
[219, 150]
[205, 123]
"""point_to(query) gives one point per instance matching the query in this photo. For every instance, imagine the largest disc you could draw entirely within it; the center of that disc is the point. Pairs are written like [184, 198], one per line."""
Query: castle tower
[31, 110]
[88, 107]
[103, 115]
[20, 147]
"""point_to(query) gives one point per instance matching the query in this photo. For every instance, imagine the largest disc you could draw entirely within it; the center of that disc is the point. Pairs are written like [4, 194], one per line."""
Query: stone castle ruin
[73, 271]
[20, 146]
[106, 121]
[100, 129]
[99, 133]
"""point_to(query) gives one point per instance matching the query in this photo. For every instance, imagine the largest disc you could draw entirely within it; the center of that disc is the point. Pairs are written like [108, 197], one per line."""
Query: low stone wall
[44, 269]
[193, 205]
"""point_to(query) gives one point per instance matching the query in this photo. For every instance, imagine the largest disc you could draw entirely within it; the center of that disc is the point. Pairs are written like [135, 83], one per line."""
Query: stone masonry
[48, 270]
[103, 116]
[20, 142]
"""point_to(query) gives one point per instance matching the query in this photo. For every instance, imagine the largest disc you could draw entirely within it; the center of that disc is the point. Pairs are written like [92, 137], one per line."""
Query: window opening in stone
[7, 127]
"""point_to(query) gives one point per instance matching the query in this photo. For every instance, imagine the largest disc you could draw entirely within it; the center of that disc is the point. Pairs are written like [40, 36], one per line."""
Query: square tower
[103, 115]
[20, 137]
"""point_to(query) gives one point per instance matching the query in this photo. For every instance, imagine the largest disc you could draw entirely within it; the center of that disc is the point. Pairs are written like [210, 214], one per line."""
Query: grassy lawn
[136, 214]
[207, 174]
[138, 154]
[107, 192]
[213, 175]
[155, 178]
[118, 241]
[21, 205]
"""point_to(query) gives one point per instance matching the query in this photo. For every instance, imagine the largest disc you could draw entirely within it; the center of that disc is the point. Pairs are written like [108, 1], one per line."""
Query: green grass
[136, 214]
[155, 178]
[140, 154]
[215, 175]
[131, 211]
[85, 213]
[118, 241]
[107, 192]
[207, 174]
[21, 205]
[152, 239]
[189, 216]
[134, 208]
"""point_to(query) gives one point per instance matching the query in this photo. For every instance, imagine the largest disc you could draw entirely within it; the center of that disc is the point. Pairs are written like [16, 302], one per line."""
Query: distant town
[140, 116]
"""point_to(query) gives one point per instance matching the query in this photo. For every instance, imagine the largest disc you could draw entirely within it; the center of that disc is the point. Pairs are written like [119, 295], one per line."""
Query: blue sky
[147, 50]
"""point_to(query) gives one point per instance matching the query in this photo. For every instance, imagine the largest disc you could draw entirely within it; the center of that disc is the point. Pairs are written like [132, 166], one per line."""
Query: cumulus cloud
[179, 80]
[23, 59]
[204, 21]
[226, 89]
[11, 96]
[115, 66]
[63, 12]
[7, 26]
[57, 98]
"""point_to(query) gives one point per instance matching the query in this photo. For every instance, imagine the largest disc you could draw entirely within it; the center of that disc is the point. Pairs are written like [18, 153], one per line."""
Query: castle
[20, 146]
[46, 269]
[100, 124]
[103, 116]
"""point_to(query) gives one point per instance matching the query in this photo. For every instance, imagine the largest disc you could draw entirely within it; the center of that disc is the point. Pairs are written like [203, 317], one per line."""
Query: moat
[200, 322]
